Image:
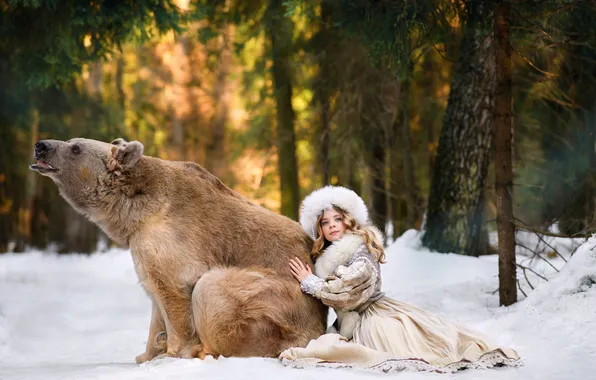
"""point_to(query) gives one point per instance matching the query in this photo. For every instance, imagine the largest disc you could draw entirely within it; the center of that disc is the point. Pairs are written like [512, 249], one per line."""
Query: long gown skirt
[395, 336]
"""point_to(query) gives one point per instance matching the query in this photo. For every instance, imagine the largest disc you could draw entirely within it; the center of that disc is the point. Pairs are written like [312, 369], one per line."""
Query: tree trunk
[216, 154]
[280, 31]
[503, 159]
[456, 202]
[199, 123]
[325, 143]
[8, 182]
[322, 92]
[37, 221]
[178, 103]
[398, 206]
[429, 110]
[409, 177]
[378, 193]
[398, 209]
[26, 215]
[349, 175]
[81, 234]
[405, 201]
[120, 67]
[589, 194]
[95, 81]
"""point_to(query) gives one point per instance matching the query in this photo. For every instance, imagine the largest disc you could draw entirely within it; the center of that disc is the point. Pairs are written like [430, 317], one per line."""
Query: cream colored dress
[388, 335]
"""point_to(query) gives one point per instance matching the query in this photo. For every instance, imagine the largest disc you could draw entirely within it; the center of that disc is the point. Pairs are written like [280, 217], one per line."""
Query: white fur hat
[323, 199]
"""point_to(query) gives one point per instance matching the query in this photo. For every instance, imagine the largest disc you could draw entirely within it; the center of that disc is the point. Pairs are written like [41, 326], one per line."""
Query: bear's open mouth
[42, 167]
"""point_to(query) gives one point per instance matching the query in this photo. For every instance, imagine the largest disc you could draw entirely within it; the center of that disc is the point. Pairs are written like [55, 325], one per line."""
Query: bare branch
[522, 226]
[551, 247]
[532, 65]
[537, 254]
[526, 277]
[524, 268]
[441, 54]
[520, 288]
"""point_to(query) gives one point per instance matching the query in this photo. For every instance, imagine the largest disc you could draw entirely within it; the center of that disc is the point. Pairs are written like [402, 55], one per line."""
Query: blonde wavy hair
[370, 239]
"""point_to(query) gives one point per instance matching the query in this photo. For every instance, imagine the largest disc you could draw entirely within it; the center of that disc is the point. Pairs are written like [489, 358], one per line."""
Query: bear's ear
[119, 142]
[128, 155]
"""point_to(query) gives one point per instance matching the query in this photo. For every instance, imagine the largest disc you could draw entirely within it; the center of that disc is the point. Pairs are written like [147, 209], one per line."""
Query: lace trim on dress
[488, 360]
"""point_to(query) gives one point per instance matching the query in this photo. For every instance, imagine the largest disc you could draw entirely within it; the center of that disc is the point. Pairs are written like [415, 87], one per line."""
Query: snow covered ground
[85, 317]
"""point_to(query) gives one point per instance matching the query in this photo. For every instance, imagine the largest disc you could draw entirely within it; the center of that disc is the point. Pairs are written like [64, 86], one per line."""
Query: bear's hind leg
[249, 312]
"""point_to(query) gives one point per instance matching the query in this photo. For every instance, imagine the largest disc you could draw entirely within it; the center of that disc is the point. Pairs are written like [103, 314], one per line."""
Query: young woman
[386, 335]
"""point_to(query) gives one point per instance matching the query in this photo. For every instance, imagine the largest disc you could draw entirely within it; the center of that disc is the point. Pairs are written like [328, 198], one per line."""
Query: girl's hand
[299, 270]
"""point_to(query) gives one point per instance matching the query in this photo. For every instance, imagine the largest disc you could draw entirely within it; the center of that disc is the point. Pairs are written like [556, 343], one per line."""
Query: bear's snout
[41, 148]
[42, 151]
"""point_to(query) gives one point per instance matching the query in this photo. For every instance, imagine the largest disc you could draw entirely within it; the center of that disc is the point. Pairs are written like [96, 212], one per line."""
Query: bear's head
[79, 166]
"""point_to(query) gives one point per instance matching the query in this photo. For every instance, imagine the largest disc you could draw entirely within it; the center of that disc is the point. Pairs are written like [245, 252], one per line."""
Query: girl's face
[332, 225]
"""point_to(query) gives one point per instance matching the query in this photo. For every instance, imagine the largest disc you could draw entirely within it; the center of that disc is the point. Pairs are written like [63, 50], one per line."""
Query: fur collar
[340, 252]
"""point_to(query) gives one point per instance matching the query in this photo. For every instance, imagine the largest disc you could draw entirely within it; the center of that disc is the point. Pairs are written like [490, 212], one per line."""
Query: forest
[458, 118]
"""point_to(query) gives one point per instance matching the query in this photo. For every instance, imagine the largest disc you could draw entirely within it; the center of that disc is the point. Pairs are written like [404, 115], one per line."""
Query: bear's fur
[214, 264]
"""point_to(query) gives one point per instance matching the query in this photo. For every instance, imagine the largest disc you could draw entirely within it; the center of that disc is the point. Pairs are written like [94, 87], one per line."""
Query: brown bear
[214, 264]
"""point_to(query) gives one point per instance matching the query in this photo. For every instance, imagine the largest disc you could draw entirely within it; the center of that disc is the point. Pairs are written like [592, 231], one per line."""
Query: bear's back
[249, 233]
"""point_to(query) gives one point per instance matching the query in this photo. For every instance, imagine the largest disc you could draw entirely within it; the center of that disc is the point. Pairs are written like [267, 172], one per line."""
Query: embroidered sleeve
[311, 284]
[364, 254]
[350, 287]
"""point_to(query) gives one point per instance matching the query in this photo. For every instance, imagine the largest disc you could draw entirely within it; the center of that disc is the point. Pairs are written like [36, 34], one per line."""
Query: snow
[86, 317]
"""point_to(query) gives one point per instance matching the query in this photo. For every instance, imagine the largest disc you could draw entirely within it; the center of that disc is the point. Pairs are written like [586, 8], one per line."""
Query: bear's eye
[76, 149]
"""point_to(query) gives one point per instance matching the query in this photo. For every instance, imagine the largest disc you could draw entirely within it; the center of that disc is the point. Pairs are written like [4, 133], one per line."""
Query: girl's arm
[309, 283]
[347, 289]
